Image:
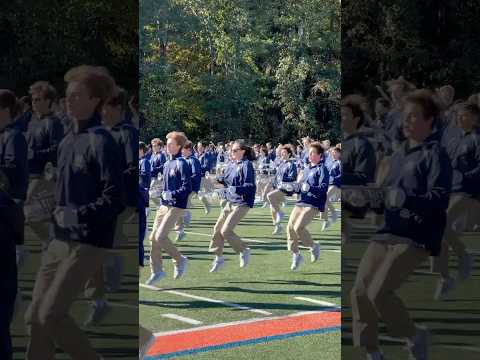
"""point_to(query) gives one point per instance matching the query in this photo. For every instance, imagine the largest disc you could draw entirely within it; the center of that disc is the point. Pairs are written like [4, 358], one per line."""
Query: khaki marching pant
[462, 215]
[126, 222]
[230, 217]
[297, 227]
[165, 220]
[384, 268]
[333, 191]
[65, 269]
[179, 223]
[206, 186]
[275, 198]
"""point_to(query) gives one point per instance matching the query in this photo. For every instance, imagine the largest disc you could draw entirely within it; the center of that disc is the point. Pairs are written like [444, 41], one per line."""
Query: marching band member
[335, 172]
[418, 186]
[313, 192]
[206, 167]
[177, 187]
[196, 171]
[239, 180]
[13, 185]
[286, 175]
[89, 196]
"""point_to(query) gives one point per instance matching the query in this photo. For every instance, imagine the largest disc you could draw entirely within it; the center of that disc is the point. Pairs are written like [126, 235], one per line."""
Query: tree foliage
[260, 70]
[40, 40]
[431, 42]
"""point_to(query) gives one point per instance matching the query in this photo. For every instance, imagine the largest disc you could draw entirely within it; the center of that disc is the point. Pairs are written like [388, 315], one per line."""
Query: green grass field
[267, 284]
[117, 336]
[454, 322]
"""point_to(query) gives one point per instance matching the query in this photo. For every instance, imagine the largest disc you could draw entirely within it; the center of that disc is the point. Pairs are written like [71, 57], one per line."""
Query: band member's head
[315, 152]
[142, 149]
[382, 107]
[187, 149]
[286, 152]
[113, 110]
[468, 117]
[175, 142]
[241, 150]
[43, 96]
[264, 150]
[269, 146]
[88, 88]
[306, 142]
[157, 145]
[200, 147]
[445, 96]
[326, 144]
[419, 113]
[336, 153]
[352, 116]
[398, 89]
[9, 107]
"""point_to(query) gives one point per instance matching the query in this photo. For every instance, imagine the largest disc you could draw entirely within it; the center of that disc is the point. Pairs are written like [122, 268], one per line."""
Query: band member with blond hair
[177, 187]
[88, 199]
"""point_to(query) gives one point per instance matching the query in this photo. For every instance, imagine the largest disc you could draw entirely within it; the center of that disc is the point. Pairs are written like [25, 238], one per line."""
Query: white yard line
[241, 322]
[319, 302]
[201, 298]
[182, 319]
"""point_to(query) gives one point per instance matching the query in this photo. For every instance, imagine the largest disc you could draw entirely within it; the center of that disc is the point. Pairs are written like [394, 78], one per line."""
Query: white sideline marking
[468, 348]
[182, 319]
[244, 239]
[254, 320]
[319, 302]
[201, 298]
[381, 337]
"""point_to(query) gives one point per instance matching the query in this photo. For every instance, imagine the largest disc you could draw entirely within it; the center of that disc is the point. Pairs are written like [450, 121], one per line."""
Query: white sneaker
[465, 267]
[278, 229]
[244, 257]
[180, 268]
[154, 278]
[315, 252]
[297, 259]
[418, 348]
[217, 264]
[265, 205]
[326, 225]
[444, 287]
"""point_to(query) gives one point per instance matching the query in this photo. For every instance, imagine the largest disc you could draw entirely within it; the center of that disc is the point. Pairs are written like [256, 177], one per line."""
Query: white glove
[305, 187]
[207, 174]
[232, 190]
[66, 217]
[167, 195]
